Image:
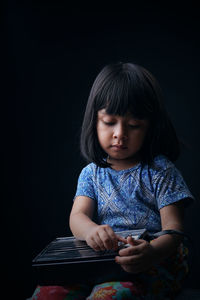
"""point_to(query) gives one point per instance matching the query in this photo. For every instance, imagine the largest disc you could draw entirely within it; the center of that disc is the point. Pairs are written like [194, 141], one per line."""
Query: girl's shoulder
[161, 166]
[89, 168]
[161, 163]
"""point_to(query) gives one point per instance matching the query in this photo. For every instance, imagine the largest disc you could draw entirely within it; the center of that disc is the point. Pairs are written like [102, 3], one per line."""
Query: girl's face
[121, 137]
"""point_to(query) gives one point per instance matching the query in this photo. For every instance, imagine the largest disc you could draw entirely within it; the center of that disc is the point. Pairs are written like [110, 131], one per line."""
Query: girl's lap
[108, 290]
[160, 282]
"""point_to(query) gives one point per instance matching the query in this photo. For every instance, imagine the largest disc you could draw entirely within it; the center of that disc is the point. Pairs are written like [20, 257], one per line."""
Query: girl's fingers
[99, 242]
[108, 237]
[128, 251]
[128, 260]
[135, 247]
[121, 239]
[94, 245]
[104, 238]
[131, 241]
[113, 238]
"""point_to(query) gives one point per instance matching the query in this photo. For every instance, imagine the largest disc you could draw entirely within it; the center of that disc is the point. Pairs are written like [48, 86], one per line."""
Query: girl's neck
[123, 164]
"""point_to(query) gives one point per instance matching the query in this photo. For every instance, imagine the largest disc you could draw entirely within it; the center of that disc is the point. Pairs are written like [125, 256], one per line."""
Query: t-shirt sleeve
[85, 186]
[170, 187]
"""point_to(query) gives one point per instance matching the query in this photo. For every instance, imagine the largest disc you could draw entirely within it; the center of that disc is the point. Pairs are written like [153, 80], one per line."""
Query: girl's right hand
[102, 237]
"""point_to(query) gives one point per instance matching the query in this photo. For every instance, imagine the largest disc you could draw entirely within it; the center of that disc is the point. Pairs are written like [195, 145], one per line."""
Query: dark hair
[125, 87]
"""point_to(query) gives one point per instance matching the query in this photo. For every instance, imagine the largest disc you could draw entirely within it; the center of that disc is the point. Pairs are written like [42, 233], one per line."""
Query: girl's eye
[134, 126]
[109, 123]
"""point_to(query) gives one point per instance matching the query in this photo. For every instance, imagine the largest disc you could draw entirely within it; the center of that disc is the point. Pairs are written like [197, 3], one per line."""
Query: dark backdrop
[51, 57]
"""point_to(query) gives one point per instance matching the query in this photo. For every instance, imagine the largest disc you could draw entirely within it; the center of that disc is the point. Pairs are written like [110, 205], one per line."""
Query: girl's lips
[119, 147]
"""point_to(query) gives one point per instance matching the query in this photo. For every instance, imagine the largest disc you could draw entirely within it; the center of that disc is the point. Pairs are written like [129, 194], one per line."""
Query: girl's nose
[120, 132]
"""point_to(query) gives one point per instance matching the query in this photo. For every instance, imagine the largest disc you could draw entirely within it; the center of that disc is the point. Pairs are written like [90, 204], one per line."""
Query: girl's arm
[141, 255]
[171, 218]
[99, 237]
[80, 219]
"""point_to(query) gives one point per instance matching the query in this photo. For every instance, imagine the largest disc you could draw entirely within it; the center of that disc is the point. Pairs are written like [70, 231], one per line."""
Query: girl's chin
[113, 158]
[118, 157]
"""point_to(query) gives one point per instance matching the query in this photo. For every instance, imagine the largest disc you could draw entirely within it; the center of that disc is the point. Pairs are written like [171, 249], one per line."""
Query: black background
[51, 55]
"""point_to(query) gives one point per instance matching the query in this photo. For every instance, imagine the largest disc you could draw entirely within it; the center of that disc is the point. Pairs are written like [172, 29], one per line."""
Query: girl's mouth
[118, 147]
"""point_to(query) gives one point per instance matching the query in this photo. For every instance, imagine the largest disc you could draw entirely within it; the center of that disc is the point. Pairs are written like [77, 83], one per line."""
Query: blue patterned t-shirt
[131, 199]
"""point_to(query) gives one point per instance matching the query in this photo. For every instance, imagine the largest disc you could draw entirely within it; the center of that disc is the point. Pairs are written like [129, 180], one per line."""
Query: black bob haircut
[126, 87]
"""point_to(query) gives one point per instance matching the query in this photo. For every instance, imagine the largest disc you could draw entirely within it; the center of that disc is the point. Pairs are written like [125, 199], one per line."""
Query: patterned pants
[108, 290]
[161, 282]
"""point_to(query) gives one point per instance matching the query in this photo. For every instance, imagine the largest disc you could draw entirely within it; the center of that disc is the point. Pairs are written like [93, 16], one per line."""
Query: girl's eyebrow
[130, 117]
[102, 112]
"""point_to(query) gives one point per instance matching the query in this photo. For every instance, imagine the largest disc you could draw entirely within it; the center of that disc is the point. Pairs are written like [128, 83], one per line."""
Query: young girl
[129, 183]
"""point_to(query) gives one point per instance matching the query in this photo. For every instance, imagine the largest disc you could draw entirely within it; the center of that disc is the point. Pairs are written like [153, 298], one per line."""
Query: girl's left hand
[138, 257]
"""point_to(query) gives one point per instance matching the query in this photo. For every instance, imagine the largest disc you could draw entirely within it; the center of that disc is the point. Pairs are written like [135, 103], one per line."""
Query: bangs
[126, 92]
